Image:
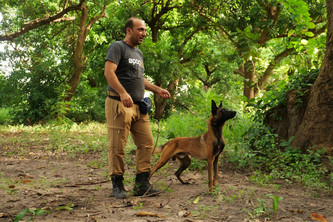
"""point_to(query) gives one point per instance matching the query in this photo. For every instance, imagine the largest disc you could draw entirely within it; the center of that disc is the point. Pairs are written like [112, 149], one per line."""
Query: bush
[88, 104]
[4, 116]
[259, 151]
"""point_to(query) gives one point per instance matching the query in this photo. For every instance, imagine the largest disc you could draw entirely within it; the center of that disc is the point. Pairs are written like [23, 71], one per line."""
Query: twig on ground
[87, 184]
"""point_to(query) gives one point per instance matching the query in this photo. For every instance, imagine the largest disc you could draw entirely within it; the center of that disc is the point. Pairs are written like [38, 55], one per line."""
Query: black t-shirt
[130, 68]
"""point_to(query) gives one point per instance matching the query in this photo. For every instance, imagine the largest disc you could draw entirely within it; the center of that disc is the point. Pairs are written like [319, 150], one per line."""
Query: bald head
[130, 23]
[135, 30]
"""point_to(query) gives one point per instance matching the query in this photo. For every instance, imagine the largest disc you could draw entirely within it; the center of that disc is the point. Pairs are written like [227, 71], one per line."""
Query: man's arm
[158, 90]
[113, 81]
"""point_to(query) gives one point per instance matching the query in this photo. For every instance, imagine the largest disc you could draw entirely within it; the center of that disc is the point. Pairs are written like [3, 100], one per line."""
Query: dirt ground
[77, 189]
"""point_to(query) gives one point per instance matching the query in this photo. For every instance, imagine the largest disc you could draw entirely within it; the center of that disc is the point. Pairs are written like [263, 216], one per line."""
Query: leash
[157, 136]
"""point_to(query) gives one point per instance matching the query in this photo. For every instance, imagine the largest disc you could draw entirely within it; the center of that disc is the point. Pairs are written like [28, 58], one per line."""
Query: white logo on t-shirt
[135, 61]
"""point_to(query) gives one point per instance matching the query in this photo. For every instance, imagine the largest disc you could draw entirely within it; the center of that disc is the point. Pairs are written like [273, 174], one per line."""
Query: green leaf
[276, 200]
[68, 207]
[196, 200]
[21, 215]
[244, 99]
[39, 212]
[64, 208]
[310, 34]
[311, 25]
[284, 143]
[291, 32]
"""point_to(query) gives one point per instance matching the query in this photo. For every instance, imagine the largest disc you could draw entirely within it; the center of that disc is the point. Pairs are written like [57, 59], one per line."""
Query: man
[124, 71]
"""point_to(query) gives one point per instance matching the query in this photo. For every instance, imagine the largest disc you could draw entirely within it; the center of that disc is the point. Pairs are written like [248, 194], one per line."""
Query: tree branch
[273, 14]
[95, 19]
[219, 27]
[269, 71]
[239, 72]
[40, 22]
[187, 39]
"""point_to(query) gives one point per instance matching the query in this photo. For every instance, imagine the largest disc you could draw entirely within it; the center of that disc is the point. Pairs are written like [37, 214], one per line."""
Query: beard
[137, 40]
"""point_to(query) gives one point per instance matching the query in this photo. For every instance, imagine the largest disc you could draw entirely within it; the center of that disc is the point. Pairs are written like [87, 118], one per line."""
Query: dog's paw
[186, 183]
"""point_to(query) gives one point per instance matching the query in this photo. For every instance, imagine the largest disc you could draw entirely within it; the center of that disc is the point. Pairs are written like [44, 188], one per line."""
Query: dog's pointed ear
[220, 106]
[214, 108]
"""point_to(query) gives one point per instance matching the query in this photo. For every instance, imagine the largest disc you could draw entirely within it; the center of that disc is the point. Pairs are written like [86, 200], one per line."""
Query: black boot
[118, 187]
[142, 186]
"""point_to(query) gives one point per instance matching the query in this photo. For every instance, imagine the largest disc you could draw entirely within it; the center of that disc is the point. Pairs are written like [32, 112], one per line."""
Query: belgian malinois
[207, 146]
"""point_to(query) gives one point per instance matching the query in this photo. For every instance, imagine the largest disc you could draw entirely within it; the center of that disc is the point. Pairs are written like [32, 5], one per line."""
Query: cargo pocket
[112, 113]
[124, 115]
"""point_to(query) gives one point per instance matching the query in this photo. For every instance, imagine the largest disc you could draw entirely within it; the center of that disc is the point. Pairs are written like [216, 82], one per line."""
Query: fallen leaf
[294, 211]
[143, 214]
[187, 214]
[64, 208]
[68, 207]
[196, 200]
[184, 213]
[26, 181]
[318, 217]
[11, 186]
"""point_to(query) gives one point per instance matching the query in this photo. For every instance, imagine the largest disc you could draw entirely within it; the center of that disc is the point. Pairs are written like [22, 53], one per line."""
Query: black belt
[118, 98]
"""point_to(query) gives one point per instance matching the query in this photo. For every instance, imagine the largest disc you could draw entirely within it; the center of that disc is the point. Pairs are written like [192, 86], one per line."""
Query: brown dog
[207, 146]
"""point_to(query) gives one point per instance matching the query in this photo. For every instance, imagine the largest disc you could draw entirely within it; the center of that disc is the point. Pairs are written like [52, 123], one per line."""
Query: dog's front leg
[216, 170]
[210, 174]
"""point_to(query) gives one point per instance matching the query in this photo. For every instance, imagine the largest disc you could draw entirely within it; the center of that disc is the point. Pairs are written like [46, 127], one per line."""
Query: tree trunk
[316, 129]
[79, 58]
[249, 80]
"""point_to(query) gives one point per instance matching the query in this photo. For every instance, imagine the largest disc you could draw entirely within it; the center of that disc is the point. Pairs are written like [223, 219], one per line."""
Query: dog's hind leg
[184, 161]
[165, 156]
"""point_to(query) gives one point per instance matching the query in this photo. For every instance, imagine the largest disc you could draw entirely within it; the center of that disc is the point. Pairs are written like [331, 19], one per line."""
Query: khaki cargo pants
[120, 121]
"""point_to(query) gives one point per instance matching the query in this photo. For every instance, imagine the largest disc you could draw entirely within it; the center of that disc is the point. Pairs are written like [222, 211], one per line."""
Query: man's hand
[111, 77]
[164, 94]
[126, 99]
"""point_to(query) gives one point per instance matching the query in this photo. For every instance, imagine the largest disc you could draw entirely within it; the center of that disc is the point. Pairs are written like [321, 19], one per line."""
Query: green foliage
[277, 94]
[42, 61]
[280, 161]
[4, 115]
[192, 110]
[184, 125]
[261, 179]
[33, 212]
[88, 104]
[263, 209]
[57, 137]
[189, 49]
[275, 202]
[161, 62]
[67, 207]
[39, 100]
